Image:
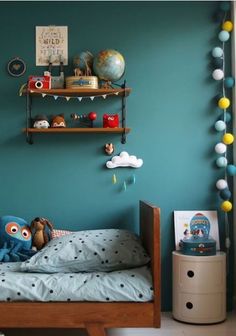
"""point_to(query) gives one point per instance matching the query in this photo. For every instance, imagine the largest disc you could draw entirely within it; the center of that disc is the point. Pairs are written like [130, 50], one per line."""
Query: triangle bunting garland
[104, 96]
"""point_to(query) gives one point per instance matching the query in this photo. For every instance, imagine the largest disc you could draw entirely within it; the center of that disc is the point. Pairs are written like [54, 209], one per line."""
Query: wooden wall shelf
[118, 130]
[79, 92]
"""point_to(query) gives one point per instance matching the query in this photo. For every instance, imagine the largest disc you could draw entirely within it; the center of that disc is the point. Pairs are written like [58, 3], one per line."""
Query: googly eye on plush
[25, 233]
[12, 228]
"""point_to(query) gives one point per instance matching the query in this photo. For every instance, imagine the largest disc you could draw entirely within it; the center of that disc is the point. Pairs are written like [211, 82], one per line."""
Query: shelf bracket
[123, 114]
[29, 138]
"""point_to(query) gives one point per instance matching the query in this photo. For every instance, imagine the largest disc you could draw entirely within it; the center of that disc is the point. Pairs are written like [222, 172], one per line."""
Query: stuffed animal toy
[39, 228]
[110, 120]
[15, 239]
[41, 121]
[58, 121]
[109, 148]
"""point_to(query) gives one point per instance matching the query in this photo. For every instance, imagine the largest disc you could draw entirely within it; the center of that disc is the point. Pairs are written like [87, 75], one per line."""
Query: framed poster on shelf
[51, 43]
[201, 221]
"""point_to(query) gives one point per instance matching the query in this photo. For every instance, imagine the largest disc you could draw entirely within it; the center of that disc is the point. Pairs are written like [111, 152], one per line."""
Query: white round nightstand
[199, 288]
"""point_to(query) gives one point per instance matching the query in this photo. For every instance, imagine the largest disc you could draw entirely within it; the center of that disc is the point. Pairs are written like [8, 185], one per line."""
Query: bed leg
[95, 329]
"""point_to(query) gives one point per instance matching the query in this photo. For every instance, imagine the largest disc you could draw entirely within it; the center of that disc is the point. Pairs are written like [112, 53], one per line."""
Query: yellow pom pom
[228, 138]
[226, 206]
[228, 26]
[223, 103]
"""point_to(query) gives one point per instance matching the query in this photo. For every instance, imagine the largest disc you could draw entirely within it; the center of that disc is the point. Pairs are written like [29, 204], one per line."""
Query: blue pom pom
[225, 194]
[231, 170]
[229, 82]
[217, 62]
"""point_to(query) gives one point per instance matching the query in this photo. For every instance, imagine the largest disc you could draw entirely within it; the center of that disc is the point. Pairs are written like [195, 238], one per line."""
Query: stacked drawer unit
[199, 288]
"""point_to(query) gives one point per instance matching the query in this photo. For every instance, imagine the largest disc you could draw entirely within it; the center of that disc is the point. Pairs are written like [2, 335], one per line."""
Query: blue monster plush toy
[15, 239]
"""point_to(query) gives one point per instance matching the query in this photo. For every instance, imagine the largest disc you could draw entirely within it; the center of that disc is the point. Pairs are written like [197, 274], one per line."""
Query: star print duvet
[123, 285]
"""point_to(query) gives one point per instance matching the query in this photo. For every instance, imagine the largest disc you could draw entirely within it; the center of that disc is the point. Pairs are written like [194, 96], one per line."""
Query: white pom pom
[218, 74]
[220, 148]
[221, 184]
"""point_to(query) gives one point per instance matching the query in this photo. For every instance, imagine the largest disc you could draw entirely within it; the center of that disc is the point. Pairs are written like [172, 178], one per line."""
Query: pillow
[89, 251]
[59, 233]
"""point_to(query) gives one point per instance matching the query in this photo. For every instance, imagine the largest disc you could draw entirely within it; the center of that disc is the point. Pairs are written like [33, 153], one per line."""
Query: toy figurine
[109, 148]
[83, 64]
[58, 121]
[41, 121]
[84, 119]
[111, 120]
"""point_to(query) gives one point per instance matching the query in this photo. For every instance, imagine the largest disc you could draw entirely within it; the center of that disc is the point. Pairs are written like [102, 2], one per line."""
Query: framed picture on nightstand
[202, 222]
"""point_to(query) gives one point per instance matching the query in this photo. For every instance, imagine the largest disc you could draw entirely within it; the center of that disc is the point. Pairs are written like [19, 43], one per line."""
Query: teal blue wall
[166, 46]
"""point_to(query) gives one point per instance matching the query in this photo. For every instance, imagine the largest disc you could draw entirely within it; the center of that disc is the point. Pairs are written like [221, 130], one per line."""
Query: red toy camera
[39, 82]
[111, 120]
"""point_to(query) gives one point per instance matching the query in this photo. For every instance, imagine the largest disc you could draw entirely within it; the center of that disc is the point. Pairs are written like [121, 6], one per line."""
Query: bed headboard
[150, 235]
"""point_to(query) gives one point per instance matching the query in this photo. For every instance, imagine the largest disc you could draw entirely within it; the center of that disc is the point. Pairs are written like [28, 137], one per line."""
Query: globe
[109, 65]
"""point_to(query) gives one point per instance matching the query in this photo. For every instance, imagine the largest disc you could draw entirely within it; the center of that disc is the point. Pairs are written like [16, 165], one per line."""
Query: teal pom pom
[224, 36]
[229, 82]
[220, 125]
[231, 170]
[217, 52]
[227, 118]
[225, 194]
[221, 162]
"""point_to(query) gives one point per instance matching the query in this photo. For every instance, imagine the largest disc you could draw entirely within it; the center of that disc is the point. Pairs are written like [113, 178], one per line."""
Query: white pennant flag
[80, 98]
[116, 93]
[92, 98]
[43, 95]
[67, 98]
[55, 97]
[104, 96]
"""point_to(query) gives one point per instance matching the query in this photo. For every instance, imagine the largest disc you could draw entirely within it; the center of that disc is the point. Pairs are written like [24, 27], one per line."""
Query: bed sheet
[126, 285]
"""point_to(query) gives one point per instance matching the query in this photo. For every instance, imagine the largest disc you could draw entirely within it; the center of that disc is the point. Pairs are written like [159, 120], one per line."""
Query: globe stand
[106, 85]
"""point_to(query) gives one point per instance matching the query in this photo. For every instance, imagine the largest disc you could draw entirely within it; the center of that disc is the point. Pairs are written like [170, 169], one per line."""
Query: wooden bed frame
[96, 316]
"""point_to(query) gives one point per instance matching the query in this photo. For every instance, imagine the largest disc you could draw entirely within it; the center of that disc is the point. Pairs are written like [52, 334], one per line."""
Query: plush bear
[15, 239]
[41, 229]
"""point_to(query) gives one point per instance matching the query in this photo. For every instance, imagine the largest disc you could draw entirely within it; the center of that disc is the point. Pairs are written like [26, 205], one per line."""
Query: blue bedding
[127, 285]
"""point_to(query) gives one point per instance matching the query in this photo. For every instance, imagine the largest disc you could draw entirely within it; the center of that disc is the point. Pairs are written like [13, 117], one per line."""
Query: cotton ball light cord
[223, 103]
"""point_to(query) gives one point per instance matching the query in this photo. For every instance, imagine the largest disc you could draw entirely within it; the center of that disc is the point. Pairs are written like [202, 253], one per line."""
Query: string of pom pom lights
[222, 125]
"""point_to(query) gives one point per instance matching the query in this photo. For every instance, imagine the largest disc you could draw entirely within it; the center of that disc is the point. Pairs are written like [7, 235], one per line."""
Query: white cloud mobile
[124, 160]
